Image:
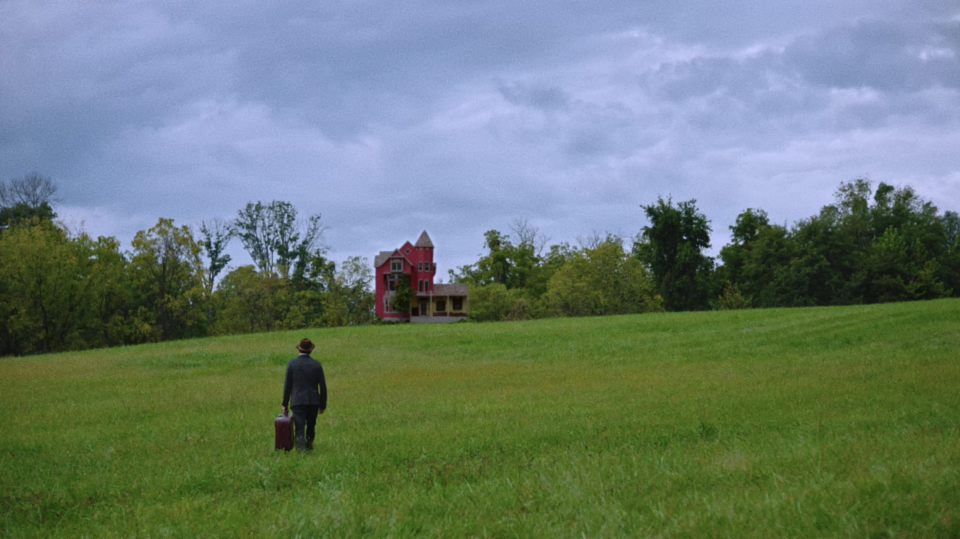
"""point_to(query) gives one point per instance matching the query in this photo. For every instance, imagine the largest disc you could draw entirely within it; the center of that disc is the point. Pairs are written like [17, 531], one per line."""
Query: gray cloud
[884, 55]
[391, 118]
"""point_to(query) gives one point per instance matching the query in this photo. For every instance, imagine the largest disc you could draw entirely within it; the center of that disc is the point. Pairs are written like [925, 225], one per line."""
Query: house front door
[423, 307]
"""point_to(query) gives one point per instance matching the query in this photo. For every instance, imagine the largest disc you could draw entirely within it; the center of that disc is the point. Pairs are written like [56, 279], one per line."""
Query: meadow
[820, 422]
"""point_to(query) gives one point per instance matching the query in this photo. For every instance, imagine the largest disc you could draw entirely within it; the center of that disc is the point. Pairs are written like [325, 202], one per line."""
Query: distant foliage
[47, 280]
[672, 246]
[403, 295]
[166, 274]
[61, 291]
[892, 246]
[275, 239]
[731, 299]
[598, 279]
[27, 200]
[866, 247]
[65, 291]
[602, 280]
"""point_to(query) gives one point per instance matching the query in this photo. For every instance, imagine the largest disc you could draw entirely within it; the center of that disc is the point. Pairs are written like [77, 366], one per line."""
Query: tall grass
[826, 422]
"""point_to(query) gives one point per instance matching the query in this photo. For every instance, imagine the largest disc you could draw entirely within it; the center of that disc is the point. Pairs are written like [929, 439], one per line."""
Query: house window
[457, 304]
[441, 305]
[420, 285]
[406, 251]
[419, 266]
[392, 282]
[426, 285]
[396, 265]
[386, 304]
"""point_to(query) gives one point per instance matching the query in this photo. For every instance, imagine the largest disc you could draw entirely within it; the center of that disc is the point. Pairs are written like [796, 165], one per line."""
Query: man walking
[305, 389]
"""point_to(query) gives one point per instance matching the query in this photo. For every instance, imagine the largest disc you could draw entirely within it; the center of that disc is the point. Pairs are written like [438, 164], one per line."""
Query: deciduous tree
[167, 278]
[274, 237]
[45, 289]
[602, 280]
[25, 198]
[672, 247]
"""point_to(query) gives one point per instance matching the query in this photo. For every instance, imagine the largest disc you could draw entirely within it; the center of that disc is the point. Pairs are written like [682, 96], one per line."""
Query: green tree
[950, 259]
[342, 305]
[168, 285]
[745, 232]
[494, 302]
[914, 218]
[672, 247]
[45, 287]
[353, 289]
[602, 280]
[494, 267]
[514, 265]
[25, 198]
[810, 264]
[898, 271]
[847, 253]
[20, 214]
[274, 238]
[248, 301]
[403, 295]
[826, 253]
[731, 298]
[761, 277]
[215, 236]
[112, 323]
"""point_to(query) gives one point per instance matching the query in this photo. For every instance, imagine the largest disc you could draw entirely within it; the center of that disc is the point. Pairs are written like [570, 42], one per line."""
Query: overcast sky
[388, 118]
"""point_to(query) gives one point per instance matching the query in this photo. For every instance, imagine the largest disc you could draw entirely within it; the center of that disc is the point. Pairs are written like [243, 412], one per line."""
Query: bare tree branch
[591, 241]
[32, 190]
[529, 235]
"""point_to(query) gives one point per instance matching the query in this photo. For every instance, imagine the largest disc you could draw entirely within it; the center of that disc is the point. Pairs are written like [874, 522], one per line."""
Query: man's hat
[305, 346]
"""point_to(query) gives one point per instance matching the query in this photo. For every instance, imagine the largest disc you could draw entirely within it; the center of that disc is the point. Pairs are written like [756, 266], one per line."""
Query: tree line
[67, 291]
[866, 247]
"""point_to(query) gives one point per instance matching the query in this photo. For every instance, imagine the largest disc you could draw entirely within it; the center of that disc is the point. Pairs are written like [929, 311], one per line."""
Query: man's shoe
[309, 444]
[301, 444]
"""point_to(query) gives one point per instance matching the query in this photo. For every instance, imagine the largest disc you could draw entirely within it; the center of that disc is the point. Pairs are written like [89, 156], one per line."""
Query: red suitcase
[283, 425]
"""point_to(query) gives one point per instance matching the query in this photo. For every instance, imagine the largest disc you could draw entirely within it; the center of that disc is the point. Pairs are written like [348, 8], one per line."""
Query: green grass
[828, 422]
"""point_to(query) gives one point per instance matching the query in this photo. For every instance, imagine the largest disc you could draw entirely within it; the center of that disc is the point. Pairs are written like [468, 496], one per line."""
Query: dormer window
[396, 265]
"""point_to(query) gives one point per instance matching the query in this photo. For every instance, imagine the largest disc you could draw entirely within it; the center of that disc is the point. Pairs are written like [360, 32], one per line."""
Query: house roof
[424, 240]
[381, 258]
[450, 289]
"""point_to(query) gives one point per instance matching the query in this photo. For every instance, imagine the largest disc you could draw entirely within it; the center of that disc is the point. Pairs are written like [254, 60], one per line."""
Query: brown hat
[305, 346]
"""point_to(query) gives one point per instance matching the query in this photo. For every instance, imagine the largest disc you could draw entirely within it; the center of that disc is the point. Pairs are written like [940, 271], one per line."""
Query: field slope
[826, 422]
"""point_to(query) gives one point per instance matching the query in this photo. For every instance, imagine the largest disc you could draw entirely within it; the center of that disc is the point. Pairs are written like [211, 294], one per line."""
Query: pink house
[429, 302]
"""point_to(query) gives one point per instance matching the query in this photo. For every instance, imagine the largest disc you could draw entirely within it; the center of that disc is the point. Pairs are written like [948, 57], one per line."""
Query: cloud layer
[388, 119]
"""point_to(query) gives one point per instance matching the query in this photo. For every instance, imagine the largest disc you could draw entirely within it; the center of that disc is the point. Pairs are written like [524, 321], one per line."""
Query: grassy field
[832, 422]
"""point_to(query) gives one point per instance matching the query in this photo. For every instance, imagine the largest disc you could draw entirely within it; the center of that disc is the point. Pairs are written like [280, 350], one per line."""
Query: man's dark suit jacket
[304, 384]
